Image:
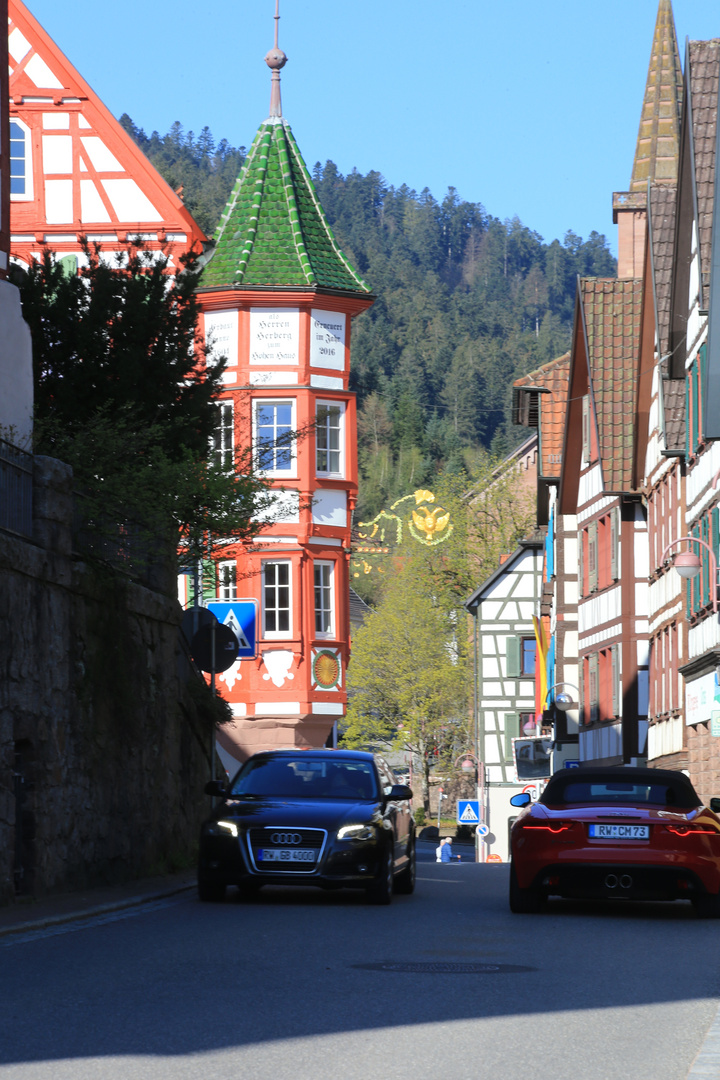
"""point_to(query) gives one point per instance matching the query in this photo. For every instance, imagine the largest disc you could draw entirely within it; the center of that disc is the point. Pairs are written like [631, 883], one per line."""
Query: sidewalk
[28, 914]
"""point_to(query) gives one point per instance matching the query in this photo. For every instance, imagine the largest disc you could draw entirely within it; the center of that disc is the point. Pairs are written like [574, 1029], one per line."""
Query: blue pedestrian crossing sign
[242, 618]
[468, 811]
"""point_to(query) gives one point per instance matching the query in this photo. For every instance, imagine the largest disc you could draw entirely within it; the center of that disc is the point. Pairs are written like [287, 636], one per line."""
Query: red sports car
[616, 833]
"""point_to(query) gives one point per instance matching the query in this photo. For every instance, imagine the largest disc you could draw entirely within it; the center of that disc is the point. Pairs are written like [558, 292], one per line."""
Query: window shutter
[614, 543]
[615, 677]
[582, 713]
[593, 679]
[581, 562]
[512, 731]
[592, 556]
[715, 545]
[586, 429]
[513, 645]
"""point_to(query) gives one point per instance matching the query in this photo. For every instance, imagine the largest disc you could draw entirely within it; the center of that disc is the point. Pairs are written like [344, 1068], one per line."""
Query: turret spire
[658, 143]
[275, 60]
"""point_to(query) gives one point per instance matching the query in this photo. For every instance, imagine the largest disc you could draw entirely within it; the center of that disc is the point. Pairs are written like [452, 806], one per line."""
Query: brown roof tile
[662, 241]
[553, 377]
[612, 310]
[704, 69]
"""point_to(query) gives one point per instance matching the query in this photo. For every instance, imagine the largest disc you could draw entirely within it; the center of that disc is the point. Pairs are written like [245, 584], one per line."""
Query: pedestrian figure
[446, 851]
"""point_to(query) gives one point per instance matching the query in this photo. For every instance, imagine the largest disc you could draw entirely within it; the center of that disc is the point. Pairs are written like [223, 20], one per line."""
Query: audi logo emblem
[286, 838]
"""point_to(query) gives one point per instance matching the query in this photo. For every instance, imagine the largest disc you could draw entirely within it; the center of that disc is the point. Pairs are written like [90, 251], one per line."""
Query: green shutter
[705, 535]
[695, 424]
[700, 361]
[512, 731]
[581, 563]
[594, 680]
[582, 713]
[688, 415]
[513, 647]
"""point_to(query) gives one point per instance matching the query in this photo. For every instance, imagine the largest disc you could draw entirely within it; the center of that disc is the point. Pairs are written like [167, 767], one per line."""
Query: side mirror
[215, 788]
[523, 799]
[399, 791]
[715, 806]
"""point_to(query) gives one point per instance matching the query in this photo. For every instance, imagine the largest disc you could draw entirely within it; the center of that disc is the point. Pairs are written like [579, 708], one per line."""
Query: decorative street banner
[274, 336]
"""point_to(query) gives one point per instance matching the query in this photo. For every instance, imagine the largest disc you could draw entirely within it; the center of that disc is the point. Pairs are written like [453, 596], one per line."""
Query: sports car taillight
[691, 828]
[550, 826]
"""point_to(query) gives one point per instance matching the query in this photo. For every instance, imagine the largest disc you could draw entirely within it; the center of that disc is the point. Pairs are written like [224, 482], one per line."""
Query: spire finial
[275, 60]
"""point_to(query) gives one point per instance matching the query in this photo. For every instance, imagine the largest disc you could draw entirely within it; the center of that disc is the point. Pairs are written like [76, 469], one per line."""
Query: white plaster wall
[16, 380]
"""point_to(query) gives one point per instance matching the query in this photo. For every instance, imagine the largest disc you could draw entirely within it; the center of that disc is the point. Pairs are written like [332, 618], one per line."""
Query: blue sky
[530, 107]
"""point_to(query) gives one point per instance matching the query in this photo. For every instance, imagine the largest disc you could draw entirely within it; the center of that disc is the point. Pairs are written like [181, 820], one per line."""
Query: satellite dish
[226, 647]
[193, 619]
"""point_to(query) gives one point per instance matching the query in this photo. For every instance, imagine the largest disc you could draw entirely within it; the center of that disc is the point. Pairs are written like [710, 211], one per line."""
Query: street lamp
[688, 564]
[563, 701]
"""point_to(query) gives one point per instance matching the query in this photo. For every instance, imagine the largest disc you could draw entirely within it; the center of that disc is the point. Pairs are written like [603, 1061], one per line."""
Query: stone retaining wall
[103, 750]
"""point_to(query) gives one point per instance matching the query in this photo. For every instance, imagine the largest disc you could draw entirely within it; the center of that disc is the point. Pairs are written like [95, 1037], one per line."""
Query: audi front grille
[292, 845]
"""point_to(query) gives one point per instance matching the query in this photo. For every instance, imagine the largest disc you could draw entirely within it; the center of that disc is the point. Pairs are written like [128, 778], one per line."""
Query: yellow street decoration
[429, 526]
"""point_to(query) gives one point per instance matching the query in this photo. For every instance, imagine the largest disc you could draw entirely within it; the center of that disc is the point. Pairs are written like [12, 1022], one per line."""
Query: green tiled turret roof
[273, 231]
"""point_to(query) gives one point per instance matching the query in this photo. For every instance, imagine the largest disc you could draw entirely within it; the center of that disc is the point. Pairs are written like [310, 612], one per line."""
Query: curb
[90, 912]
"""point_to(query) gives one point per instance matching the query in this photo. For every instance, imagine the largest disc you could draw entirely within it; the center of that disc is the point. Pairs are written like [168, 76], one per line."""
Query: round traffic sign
[482, 829]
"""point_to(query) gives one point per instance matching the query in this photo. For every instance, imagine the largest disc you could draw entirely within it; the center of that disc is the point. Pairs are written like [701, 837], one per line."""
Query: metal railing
[16, 484]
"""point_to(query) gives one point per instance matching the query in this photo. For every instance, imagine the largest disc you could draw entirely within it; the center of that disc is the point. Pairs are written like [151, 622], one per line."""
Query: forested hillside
[466, 304]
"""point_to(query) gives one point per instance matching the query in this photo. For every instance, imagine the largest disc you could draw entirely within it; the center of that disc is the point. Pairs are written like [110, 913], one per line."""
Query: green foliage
[125, 393]
[408, 677]
[201, 171]
[420, 817]
[466, 304]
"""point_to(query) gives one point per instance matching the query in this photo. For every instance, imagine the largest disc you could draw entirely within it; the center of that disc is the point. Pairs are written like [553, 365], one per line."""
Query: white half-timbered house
[506, 657]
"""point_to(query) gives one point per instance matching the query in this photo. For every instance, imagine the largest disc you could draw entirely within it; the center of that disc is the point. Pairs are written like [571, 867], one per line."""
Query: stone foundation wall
[704, 761]
[103, 750]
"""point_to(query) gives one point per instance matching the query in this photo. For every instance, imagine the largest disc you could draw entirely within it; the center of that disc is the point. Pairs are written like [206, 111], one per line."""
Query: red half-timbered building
[278, 297]
[74, 171]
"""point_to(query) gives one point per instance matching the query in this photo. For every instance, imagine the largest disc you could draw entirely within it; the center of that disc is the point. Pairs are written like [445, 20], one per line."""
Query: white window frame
[327, 568]
[29, 193]
[277, 635]
[291, 472]
[340, 471]
[219, 439]
[227, 580]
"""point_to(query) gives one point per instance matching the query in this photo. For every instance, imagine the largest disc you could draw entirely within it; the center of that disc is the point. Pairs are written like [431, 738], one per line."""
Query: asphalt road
[306, 985]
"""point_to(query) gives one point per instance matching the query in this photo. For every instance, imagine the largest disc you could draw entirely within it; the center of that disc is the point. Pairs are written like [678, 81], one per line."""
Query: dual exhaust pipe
[612, 881]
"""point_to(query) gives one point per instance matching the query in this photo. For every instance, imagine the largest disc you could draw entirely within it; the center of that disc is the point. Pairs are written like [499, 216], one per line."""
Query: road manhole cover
[447, 967]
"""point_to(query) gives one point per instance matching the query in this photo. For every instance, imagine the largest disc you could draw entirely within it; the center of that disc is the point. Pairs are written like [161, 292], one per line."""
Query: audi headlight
[356, 832]
[221, 828]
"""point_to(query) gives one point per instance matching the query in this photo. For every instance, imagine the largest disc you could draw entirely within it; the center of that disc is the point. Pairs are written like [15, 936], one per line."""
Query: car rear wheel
[405, 881]
[210, 891]
[523, 901]
[381, 890]
[707, 906]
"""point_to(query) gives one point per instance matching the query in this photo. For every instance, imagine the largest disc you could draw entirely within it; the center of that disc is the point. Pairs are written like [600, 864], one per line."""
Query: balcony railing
[16, 483]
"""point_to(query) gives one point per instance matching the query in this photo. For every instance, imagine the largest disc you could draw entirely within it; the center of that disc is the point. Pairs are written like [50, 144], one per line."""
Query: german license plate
[287, 855]
[619, 832]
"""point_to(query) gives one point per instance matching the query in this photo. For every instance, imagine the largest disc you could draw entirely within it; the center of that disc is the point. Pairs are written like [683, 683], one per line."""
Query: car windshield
[306, 778]
[645, 791]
